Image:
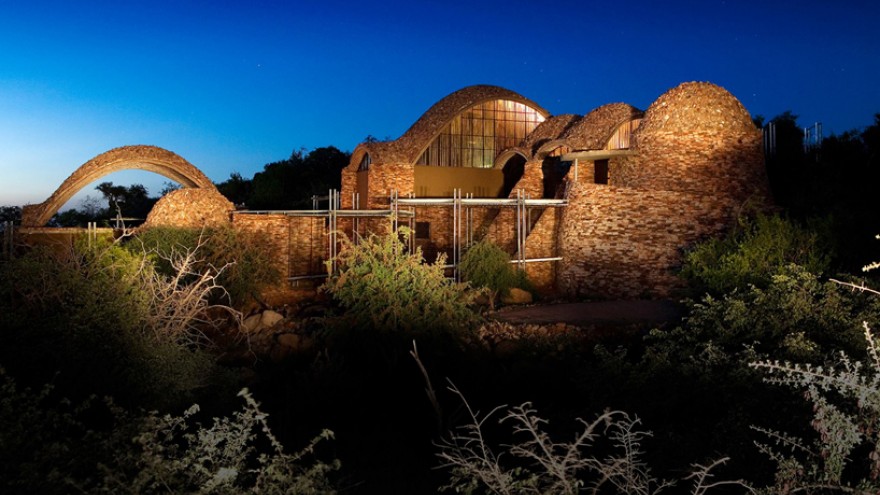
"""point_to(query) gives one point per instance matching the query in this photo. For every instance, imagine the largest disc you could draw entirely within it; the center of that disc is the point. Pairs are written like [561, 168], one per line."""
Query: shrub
[91, 315]
[44, 440]
[49, 445]
[382, 285]
[246, 258]
[755, 250]
[487, 265]
[844, 455]
[605, 456]
[795, 316]
[236, 454]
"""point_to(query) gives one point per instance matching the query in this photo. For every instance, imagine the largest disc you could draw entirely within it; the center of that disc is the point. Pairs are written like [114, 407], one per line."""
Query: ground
[586, 314]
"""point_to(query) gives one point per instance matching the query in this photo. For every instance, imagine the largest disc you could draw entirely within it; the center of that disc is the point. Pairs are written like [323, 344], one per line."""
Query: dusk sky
[231, 86]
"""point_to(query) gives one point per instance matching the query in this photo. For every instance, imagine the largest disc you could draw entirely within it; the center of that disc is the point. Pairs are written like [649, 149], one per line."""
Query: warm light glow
[478, 135]
[620, 140]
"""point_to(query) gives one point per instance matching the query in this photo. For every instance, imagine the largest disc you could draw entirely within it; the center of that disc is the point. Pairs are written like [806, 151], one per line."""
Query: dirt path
[612, 313]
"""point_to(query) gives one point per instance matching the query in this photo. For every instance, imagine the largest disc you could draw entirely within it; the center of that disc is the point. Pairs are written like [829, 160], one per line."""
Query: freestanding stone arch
[141, 157]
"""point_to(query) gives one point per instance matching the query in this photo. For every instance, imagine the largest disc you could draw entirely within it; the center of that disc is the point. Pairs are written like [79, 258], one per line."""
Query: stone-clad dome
[696, 108]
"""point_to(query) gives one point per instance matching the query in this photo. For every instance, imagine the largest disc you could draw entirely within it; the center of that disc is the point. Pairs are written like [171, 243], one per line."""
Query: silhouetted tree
[871, 138]
[131, 202]
[837, 179]
[236, 188]
[9, 214]
[291, 183]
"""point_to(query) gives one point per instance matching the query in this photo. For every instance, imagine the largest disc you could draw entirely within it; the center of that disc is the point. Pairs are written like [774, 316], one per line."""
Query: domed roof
[696, 108]
[592, 131]
[549, 130]
[419, 136]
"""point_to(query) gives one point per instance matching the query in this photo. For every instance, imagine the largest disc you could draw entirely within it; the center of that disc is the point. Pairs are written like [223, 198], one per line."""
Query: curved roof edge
[593, 131]
[414, 141]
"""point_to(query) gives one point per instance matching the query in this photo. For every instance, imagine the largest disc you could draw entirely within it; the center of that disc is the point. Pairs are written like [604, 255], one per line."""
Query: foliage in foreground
[844, 454]
[50, 446]
[606, 456]
[236, 454]
[795, 317]
[99, 319]
[486, 265]
[756, 249]
[383, 285]
[244, 258]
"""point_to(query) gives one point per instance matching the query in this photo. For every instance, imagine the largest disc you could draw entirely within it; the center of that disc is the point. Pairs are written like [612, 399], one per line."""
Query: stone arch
[553, 168]
[549, 147]
[141, 157]
[512, 165]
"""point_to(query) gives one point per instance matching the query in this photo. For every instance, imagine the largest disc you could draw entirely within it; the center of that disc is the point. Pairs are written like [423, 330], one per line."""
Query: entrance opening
[554, 169]
[601, 173]
[513, 171]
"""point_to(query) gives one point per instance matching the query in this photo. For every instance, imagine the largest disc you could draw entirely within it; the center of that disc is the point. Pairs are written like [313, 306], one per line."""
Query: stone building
[599, 205]
[596, 205]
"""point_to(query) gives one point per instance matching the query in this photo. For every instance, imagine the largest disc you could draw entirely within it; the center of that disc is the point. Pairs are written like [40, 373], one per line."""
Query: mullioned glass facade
[478, 135]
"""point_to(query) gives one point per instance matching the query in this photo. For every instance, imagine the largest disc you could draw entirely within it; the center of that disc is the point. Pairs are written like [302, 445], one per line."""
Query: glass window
[365, 162]
[621, 138]
[478, 135]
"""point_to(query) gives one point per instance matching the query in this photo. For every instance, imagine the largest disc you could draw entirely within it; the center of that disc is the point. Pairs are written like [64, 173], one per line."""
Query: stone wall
[275, 229]
[543, 242]
[627, 242]
[384, 178]
[532, 181]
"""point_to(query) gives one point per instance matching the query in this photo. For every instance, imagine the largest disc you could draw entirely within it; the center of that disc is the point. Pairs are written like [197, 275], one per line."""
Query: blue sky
[231, 86]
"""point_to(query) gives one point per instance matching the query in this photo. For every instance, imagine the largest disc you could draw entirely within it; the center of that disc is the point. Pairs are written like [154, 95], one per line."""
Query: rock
[290, 340]
[270, 318]
[279, 353]
[252, 323]
[517, 296]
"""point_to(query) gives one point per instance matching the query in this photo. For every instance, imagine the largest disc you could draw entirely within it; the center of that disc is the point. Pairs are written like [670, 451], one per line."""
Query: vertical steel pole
[412, 227]
[355, 204]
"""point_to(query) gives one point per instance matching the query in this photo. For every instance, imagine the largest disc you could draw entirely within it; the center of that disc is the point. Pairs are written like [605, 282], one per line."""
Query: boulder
[270, 318]
[517, 296]
[289, 340]
[252, 323]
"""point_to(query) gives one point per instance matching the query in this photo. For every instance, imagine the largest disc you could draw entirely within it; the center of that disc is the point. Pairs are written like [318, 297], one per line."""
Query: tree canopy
[289, 184]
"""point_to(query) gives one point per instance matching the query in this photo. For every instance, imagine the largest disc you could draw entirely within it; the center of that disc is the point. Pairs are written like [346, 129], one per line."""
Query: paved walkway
[611, 313]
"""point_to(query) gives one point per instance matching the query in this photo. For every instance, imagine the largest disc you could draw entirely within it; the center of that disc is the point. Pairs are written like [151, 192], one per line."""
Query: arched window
[621, 138]
[478, 135]
[365, 163]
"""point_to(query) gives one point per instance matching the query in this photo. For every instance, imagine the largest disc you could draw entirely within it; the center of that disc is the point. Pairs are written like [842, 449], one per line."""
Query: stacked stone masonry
[695, 162]
[693, 165]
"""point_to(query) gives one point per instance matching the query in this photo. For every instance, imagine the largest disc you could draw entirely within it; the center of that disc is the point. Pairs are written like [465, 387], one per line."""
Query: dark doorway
[554, 170]
[601, 175]
[513, 171]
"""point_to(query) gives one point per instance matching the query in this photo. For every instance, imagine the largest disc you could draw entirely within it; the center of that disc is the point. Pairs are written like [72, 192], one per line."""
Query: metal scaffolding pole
[331, 224]
[412, 227]
[467, 223]
[355, 205]
[456, 205]
[520, 230]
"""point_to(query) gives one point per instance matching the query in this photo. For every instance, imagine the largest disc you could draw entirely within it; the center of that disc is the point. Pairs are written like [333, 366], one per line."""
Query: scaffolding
[405, 209]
